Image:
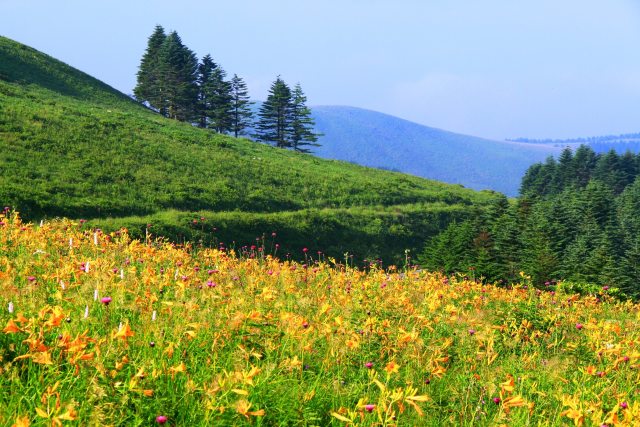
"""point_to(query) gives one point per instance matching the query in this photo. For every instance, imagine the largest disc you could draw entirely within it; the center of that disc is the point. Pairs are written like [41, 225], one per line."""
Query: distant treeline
[172, 81]
[577, 219]
[628, 137]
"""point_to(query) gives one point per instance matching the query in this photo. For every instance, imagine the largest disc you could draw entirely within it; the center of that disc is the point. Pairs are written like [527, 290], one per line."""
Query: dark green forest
[577, 219]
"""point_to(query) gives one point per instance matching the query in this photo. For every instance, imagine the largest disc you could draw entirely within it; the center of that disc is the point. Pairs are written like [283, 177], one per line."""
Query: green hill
[73, 146]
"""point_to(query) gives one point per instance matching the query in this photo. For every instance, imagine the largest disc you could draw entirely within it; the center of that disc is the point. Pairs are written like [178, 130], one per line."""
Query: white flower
[10, 307]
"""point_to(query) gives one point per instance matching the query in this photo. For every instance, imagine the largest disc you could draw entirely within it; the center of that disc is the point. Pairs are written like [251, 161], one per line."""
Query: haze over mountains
[375, 139]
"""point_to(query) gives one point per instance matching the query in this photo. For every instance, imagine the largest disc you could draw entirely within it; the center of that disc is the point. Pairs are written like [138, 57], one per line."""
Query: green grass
[74, 147]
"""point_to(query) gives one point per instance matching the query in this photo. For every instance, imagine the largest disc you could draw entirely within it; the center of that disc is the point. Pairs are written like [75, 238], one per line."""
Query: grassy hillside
[74, 147]
[374, 139]
[109, 331]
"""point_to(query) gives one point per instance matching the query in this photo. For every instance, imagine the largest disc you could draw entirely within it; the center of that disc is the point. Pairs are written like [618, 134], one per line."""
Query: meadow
[74, 147]
[102, 329]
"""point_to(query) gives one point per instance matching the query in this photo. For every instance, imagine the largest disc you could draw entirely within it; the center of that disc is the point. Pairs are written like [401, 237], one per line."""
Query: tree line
[172, 81]
[577, 219]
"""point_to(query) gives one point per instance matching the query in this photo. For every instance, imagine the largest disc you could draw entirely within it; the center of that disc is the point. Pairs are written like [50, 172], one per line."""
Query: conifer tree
[608, 171]
[214, 97]
[507, 245]
[178, 70]
[564, 175]
[584, 162]
[148, 88]
[221, 113]
[274, 118]
[205, 98]
[302, 124]
[242, 116]
[451, 250]
[538, 258]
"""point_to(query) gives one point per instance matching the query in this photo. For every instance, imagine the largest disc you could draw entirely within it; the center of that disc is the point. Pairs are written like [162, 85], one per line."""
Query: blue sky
[492, 68]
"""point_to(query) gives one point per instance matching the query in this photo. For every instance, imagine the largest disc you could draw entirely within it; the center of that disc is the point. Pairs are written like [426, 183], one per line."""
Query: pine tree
[564, 176]
[529, 182]
[628, 170]
[609, 172]
[538, 258]
[274, 118]
[178, 75]
[205, 98]
[148, 87]
[507, 232]
[242, 116]
[451, 250]
[628, 206]
[538, 180]
[214, 95]
[584, 162]
[221, 114]
[302, 124]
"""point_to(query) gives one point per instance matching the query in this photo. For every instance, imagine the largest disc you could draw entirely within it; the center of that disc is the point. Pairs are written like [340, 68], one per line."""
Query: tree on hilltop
[214, 97]
[302, 124]
[167, 77]
[205, 71]
[274, 118]
[147, 89]
[240, 106]
[178, 70]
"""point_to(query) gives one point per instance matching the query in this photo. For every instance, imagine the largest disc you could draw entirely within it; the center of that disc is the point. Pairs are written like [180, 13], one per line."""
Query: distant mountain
[599, 144]
[379, 140]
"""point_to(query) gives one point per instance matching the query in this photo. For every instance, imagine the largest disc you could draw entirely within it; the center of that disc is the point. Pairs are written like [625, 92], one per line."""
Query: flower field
[99, 329]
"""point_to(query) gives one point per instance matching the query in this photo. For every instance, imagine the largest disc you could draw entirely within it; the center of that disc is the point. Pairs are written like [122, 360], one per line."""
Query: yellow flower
[22, 422]
[575, 415]
[11, 327]
[392, 367]
[243, 406]
[123, 332]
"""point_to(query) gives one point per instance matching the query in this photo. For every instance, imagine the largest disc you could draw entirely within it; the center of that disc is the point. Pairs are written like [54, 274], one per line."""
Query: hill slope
[378, 140]
[72, 146]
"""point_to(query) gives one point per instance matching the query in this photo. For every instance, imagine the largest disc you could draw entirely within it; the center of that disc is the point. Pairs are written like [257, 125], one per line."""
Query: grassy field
[99, 329]
[74, 147]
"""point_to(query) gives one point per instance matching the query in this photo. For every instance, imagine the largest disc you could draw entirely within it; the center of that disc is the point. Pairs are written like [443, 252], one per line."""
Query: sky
[492, 68]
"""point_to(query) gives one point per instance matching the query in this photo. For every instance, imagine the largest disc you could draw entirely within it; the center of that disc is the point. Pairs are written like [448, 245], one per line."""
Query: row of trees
[576, 170]
[583, 225]
[174, 83]
[285, 120]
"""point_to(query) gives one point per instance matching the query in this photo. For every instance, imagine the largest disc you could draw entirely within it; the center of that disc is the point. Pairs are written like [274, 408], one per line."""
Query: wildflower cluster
[102, 329]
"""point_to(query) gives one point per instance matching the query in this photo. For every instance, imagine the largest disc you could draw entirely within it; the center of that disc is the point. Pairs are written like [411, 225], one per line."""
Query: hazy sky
[492, 68]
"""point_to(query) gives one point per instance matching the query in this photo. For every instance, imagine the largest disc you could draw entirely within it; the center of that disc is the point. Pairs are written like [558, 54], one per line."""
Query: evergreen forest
[577, 219]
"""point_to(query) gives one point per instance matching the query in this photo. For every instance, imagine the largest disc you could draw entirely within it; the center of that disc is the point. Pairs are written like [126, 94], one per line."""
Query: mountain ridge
[376, 139]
